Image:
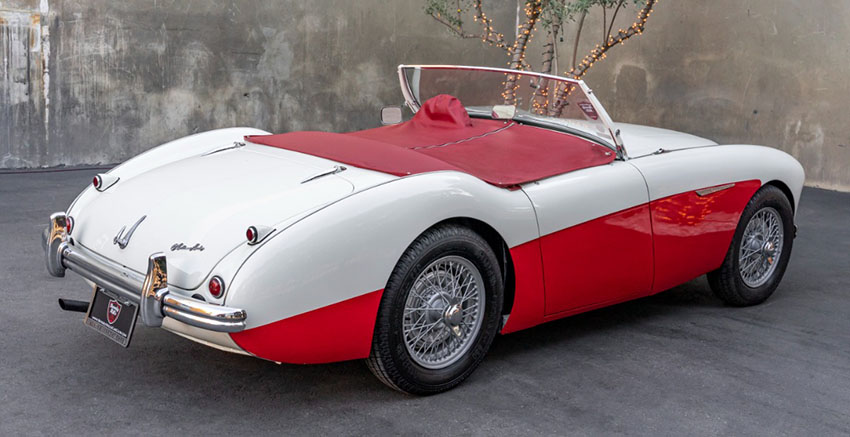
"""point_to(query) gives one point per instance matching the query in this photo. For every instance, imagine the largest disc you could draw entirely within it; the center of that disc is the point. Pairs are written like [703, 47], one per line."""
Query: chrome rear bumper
[149, 291]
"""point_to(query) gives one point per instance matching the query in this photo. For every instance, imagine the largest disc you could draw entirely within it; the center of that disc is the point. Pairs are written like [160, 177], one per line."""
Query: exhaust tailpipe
[79, 306]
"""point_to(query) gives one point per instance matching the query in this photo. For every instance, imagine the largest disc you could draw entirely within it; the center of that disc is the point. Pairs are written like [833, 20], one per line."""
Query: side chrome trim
[149, 291]
[711, 190]
[235, 145]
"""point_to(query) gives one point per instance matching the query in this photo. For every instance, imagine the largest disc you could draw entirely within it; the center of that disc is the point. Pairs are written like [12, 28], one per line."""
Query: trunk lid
[207, 202]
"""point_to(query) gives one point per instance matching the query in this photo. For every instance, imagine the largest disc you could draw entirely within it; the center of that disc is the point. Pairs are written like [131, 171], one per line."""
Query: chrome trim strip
[336, 169]
[149, 291]
[189, 305]
[711, 190]
[203, 322]
[235, 145]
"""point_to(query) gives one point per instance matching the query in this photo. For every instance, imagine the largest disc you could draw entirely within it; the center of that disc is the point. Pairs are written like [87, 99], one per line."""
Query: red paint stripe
[337, 332]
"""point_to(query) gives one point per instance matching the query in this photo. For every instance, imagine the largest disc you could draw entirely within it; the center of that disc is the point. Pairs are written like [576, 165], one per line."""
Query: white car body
[335, 240]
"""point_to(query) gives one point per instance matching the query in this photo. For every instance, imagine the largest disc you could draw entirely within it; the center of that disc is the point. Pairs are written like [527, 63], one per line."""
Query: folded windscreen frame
[539, 98]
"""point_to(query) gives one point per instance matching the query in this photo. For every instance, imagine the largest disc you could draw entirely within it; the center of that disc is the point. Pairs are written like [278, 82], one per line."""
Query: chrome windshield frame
[618, 147]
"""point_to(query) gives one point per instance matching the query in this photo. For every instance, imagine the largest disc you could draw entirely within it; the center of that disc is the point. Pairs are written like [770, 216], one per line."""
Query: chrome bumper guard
[149, 291]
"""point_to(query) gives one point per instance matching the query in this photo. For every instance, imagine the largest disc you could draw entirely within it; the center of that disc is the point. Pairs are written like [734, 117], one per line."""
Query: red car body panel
[338, 332]
[691, 234]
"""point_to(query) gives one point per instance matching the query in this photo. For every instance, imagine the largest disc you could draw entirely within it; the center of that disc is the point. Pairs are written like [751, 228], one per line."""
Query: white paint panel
[686, 170]
[218, 340]
[645, 140]
[573, 198]
[207, 200]
[350, 248]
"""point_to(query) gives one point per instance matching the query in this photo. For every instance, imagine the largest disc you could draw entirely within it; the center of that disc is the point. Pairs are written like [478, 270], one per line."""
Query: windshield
[538, 99]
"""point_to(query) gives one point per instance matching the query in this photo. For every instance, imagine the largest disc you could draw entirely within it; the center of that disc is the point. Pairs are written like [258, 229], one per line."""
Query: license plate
[112, 316]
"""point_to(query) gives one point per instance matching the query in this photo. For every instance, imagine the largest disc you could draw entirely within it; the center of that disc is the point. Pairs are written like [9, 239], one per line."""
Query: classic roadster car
[507, 200]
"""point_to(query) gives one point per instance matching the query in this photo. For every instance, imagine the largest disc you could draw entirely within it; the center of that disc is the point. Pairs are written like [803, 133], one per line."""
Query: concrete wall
[771, 72]
[97, 81]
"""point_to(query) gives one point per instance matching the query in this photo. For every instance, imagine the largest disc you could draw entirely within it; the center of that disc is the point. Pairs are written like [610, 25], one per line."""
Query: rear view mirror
[391, 115]
[503, 112]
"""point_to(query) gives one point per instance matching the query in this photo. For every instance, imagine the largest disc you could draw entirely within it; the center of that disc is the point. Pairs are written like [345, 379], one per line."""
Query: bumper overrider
[149, 291]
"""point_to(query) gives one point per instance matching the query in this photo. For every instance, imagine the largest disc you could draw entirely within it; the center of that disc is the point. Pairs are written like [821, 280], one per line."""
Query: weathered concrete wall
[770, 72]
[112, 79]
[97, 81]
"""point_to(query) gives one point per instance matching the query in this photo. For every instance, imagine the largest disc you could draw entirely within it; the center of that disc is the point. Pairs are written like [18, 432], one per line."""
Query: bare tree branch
[532, 14]
[489, 35]
[614, 18]
[578, 71]
[578, 38]
[598, 53]
[533, 9]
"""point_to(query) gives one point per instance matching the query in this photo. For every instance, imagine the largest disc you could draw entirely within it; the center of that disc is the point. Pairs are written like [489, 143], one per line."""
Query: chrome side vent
[711, 190]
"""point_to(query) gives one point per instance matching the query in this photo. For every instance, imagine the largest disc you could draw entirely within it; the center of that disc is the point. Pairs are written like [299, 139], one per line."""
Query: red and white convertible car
[509, 199]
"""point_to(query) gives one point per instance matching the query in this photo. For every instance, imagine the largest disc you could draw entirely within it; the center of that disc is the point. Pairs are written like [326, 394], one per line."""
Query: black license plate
[112, 316]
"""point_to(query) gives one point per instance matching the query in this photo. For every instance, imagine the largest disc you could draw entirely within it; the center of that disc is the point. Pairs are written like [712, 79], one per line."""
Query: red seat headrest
[442, 111]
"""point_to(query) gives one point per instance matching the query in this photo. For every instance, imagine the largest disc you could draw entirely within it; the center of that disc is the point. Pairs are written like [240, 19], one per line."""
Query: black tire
[390, 360]
[727, 282]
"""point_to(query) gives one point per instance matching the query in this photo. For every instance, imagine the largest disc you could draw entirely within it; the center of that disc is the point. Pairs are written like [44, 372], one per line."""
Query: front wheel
[439, 313]
[759, 252]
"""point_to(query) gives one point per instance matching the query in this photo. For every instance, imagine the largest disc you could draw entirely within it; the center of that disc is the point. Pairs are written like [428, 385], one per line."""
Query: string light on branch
[599, 52]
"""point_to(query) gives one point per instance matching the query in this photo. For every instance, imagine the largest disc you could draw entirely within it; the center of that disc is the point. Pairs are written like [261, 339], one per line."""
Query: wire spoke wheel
[761, 247]
[443, 312]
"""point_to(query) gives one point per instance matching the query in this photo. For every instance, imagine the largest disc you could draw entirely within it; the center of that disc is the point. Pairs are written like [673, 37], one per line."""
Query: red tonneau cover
[442, 136]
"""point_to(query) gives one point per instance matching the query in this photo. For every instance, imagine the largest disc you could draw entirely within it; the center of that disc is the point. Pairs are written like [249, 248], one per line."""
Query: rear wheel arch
[391, 359]
[500, 248]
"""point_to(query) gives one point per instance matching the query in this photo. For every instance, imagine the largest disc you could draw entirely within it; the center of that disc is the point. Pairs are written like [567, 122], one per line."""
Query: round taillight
[69, 224]
[252, 234]
[216, 287]
[97, 182]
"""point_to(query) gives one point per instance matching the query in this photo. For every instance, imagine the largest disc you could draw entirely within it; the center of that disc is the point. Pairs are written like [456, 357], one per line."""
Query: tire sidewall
[397, 293]
[774, 199]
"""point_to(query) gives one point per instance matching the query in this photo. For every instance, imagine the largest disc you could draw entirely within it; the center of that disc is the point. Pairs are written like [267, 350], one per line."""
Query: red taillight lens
[96, 181]
[69, 224]
[216, 287]
[252, 234]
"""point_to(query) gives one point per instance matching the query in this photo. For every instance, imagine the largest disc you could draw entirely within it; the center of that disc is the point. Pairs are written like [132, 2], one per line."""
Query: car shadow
[194, 374]
[335, 378]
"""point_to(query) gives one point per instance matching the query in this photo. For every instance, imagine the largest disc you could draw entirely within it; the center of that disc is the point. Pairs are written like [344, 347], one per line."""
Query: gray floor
[676, 363]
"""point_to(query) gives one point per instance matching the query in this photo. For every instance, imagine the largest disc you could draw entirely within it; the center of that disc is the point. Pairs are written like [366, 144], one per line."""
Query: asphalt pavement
[678, 363]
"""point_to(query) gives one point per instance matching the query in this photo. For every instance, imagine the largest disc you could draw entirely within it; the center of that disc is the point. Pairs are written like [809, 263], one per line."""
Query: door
[596, 236]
